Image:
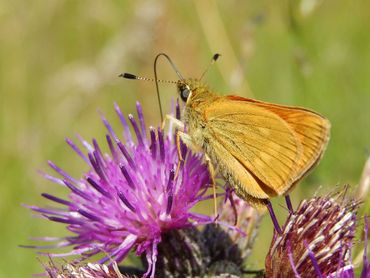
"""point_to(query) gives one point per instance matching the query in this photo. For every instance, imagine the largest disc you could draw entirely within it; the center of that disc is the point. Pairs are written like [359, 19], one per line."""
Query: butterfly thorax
[199, 97]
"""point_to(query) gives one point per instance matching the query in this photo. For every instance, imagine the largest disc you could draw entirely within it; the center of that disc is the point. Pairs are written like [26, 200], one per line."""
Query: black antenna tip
[216, 56]
[127, 75]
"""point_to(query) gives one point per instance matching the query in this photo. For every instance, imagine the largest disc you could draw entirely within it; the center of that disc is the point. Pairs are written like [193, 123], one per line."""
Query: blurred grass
[60, 60]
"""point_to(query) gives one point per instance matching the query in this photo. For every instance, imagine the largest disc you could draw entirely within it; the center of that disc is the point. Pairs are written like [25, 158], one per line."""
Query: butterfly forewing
[257, 146]
[261, 149]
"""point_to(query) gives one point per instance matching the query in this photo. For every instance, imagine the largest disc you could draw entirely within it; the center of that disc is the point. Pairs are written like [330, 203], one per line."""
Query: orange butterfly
[261, 149]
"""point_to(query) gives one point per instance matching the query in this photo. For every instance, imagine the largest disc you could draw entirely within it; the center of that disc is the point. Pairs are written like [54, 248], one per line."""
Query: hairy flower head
[70, 270]
[316, 240]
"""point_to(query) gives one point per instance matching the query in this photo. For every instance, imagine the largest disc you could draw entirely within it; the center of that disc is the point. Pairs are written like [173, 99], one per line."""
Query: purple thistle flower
[316, 240]
[128, 199]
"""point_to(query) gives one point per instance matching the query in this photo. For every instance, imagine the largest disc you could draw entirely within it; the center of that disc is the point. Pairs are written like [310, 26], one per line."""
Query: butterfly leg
[212, 173]
[180, 126]
[273, 217]
[188, 141]
[229, 195]
[179, 154]
[181, 136]
[176, 122]
[289, 203]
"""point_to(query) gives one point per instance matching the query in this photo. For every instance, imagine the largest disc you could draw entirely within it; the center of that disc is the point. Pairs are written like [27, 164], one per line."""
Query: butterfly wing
[312, 129]
[263, 151]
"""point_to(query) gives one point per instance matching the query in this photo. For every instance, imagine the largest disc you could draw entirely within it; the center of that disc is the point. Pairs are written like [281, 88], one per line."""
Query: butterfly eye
[184, 92]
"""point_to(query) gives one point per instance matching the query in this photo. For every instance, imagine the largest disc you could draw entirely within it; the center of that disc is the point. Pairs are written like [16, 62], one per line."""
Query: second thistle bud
[316, 240]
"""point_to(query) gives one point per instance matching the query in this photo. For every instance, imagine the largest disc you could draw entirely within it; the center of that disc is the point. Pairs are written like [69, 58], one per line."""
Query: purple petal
[169, 204]
[170, 180]
[77, 150]
[97, 167]
[126, 155]
[153, 143]
[77, 191]
[127, 132]
[56, 199]
[127, 176]
[61, 172]
[89, 215]
[63, 220]
[112, 148]
[125, 246]
[98, 151]
[109, 127]
[136, 129]
[161, 144]
[125, 201]
[141, 119]
[313, 260]
[87, 146]
[98, 187]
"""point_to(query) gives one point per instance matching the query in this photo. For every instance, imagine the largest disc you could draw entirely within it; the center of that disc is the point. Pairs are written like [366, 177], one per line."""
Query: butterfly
[261, 149]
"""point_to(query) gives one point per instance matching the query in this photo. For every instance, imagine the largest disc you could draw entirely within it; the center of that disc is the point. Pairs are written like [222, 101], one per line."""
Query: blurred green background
[59, 62]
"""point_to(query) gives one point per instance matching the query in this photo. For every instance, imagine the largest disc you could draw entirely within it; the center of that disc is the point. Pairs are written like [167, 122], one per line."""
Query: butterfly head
[188, 87]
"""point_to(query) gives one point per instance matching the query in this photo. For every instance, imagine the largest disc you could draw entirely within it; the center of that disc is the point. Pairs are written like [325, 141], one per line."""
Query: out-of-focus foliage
[60, 60]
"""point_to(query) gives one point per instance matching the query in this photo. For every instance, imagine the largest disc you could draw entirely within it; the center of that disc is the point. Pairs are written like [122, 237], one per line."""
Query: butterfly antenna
[135, 77]
[156, 77]
[213, 60]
